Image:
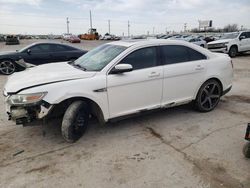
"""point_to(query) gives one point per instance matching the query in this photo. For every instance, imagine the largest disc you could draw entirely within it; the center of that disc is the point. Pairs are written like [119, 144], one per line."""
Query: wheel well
[94, 108]
[234, 46]
[217, 81]
[9, 59]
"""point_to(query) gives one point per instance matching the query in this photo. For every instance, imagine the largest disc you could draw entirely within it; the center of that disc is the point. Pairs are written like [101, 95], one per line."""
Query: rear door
[140, 89]
[184, 69]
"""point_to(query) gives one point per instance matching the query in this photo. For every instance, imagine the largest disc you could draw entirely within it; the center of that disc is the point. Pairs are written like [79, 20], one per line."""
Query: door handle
[154, 75]
[199, 67]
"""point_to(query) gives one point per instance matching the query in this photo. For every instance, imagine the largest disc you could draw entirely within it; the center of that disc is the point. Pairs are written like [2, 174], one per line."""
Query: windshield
[230, 36]
[25, 48]
[98, 58]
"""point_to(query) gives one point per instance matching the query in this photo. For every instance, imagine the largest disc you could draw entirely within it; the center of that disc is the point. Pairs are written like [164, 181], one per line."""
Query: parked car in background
[119, 79]
[197, 41]
[37, 54]
[74, 39]
[12, 40]
[107, 36]
[231, 43]
[66, 36]
[209, 39]
[2, 39]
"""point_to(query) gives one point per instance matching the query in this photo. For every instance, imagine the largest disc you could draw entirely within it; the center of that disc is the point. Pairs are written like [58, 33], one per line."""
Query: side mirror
[242, 37]
[28, 51]
[121, 68]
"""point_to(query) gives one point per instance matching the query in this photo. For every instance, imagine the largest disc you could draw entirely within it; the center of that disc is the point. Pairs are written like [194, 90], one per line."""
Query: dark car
[12, 40]
[37, 54]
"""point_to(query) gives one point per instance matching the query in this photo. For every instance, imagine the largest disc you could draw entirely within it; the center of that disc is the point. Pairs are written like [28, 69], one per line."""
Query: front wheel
[75, 121]
[208, 96]
[246, 150]
[233, 51]
[7, 67]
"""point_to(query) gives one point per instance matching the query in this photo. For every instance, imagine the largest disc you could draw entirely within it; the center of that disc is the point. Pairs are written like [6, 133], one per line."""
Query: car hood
[44, 74]
[8, 53]
[220, 41]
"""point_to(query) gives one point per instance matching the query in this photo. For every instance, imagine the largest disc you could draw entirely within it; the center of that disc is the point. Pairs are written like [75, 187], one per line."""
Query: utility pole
[109, 25]
[241, 27]
[185, 27]
[128, 29]
[67, 21]
[90, 17]
[153, 30]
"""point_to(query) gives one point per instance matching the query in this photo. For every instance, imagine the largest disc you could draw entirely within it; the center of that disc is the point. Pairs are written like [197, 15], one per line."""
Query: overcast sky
[46, 16]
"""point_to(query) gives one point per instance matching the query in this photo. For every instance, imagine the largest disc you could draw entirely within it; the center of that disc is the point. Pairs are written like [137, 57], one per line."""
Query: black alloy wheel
[208, 96]
[7, 67]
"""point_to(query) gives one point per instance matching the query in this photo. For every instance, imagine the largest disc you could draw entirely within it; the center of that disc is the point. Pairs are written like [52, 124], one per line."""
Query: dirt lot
[173, 148]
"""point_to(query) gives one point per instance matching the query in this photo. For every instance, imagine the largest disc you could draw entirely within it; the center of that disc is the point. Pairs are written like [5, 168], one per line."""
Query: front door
[245, 42]
[138, 90]
[38, 54]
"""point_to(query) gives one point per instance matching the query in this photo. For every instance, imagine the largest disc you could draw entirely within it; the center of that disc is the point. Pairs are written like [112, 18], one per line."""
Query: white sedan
[119, 79]
[197, 41]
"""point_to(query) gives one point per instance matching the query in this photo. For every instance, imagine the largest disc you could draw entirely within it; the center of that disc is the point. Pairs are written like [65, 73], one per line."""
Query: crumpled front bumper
[23, 114]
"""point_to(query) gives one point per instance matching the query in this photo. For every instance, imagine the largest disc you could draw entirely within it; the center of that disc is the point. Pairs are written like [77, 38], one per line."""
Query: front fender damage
[27, 114]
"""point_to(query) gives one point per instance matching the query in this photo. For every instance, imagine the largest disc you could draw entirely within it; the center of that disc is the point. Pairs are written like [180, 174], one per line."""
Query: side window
[178, 54]
[42, 48]
[59, 48]
[194, 55]
[248, 34]
[141, 59]
[244, 34]
[175, 54]
[35, 49]
[45, 47]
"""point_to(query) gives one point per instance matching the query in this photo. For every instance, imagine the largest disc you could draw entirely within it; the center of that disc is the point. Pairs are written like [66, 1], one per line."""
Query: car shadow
[51, 130]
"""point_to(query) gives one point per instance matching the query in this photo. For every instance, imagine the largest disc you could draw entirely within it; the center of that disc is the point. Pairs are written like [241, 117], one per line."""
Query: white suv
[119, 79]
[231, 43]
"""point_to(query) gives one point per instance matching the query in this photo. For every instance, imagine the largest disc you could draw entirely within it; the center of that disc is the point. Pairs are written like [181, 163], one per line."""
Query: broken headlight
[20, 99]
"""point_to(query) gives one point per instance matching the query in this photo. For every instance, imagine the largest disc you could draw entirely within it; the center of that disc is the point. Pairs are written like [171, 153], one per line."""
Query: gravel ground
[174, 148]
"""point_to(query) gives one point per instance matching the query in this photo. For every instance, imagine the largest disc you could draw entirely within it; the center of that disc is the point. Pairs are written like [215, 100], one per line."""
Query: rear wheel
[246, 150]
[208, 96]
[7, 67]
[75, 121]
[233, 51]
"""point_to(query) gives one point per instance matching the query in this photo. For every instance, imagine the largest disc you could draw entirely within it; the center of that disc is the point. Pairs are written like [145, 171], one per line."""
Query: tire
[75, 121]
[233, 51]
[7, 67]
[246, 150]
[208, 96]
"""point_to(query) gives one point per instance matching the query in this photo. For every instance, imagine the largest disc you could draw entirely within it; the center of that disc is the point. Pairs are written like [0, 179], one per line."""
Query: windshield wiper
[79, 67]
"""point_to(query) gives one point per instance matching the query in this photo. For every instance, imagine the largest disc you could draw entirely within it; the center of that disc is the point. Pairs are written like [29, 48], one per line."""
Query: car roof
[48, 42]
[143, 42]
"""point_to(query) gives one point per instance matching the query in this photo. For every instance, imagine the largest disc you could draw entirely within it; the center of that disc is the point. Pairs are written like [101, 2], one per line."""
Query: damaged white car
[119, 79]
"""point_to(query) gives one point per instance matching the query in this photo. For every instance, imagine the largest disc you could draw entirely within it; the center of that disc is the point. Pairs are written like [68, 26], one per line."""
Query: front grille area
[216, 46]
